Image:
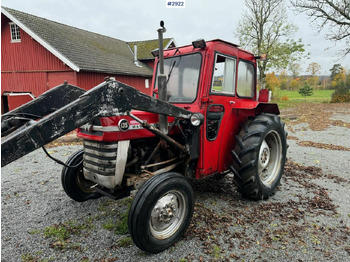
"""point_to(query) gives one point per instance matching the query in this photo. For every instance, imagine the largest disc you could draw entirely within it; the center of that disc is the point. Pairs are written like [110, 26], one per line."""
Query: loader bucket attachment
[110, 98]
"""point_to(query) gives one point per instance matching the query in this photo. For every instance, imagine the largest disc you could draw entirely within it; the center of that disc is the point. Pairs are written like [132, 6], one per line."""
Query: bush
[340, 98]
[341, 94]
[306, 90]
[284, 98]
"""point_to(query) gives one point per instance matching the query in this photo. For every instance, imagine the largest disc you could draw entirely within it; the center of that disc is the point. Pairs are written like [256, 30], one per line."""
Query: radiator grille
[100, 157]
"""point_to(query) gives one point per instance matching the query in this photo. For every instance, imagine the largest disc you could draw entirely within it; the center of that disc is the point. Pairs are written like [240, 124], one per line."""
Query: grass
[319, 96]
[61, 233]
[119, 225]
[34, 258]
[118, 222]
[217, 251]
[34, 232]
[125, 242]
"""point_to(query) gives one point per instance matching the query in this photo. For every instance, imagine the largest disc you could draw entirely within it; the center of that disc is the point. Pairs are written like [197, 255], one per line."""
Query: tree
[314, 69]
[264, 29]
[294, 84]
[272, 83]
[332, 14]
[336, 69]
[341, 84]
[284, 80]
[340, 78]
[306, 90]
[295, 68]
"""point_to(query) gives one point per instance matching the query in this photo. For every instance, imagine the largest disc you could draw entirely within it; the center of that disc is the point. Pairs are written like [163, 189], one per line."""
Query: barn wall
[27, 55]
[35, 83]
[88, 80]
[58, 78]
[27, 66]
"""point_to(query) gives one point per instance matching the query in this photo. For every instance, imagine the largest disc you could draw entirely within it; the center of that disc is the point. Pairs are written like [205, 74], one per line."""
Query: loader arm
[110, 98]
[45, 104]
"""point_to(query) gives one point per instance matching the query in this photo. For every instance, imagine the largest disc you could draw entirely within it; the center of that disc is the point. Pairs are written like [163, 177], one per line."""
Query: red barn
[38, 54]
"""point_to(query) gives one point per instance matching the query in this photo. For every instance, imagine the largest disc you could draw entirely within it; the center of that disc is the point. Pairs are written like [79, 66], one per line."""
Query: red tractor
[204, 119]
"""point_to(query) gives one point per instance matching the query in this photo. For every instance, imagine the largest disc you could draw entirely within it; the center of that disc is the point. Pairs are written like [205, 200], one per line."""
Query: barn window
[15, 33]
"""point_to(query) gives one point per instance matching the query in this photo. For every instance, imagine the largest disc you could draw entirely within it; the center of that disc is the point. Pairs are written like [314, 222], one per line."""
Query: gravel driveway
[308, 219]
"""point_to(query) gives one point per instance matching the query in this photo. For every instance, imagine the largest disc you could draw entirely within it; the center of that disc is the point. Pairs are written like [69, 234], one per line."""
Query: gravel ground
[308, 219]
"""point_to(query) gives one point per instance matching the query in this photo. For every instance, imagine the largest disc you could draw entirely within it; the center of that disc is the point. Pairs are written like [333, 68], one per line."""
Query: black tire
[259, 156]
[168, 197]
[73, 181]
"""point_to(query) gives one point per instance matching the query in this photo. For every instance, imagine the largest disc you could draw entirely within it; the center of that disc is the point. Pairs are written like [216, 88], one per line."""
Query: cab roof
[216, 41]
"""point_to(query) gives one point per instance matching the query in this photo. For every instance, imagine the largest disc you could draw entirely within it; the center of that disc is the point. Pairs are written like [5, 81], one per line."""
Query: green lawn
[319, 96]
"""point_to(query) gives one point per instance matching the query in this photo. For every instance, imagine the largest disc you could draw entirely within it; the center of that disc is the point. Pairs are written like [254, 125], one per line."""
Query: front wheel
[259, 156]
[161, 212]
[73, 181]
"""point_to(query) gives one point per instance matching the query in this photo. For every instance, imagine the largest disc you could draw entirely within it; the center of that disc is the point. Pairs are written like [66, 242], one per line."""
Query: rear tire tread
[245, 161]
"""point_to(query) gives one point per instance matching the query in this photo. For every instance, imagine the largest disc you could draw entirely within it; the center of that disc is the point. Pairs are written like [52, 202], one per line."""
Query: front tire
[73, 181]
[161, 212]
[259, 156]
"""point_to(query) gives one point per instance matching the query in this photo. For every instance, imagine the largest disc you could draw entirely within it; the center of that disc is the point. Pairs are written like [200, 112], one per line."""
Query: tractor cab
[218, 80]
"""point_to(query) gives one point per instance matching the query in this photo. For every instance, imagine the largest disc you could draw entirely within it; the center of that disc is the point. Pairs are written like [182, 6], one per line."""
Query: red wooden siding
[58, 78]
[35, 83]
[88, 80]
[27, 55]
[27, 66]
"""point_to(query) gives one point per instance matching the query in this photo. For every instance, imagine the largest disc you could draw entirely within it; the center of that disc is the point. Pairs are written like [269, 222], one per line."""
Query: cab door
[219, 115]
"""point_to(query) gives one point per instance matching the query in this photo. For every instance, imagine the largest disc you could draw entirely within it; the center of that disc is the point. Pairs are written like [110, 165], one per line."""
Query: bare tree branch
[334, 14]
[264, 29]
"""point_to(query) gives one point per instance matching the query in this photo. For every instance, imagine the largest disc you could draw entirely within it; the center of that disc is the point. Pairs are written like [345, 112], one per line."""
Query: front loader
[205, 118]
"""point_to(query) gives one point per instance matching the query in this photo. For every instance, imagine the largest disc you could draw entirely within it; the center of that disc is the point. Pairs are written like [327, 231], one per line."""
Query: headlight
[197, 119]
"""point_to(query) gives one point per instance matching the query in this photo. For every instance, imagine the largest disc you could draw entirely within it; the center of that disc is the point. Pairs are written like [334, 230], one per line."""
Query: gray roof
[86, 50]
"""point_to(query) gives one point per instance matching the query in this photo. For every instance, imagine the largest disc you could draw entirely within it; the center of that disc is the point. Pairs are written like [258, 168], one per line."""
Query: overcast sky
[131, 20]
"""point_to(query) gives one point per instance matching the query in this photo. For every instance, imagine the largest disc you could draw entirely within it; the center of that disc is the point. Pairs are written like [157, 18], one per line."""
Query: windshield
[182, 77]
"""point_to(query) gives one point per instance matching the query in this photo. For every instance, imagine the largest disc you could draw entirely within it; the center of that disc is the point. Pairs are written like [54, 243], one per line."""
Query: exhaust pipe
[162, 88]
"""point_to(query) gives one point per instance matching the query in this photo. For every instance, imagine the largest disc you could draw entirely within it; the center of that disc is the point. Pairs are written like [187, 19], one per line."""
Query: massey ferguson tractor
[204, 118]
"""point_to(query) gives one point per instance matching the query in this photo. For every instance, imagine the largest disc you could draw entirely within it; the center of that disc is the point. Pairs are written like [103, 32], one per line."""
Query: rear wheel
[73, 181]
[161, 212]
[259, 156]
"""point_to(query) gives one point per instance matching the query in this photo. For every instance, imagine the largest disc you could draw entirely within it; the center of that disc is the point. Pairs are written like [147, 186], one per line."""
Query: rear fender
[271, 108]
[257, 107]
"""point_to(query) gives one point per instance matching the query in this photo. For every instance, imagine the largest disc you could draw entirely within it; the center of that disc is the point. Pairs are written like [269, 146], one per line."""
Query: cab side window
[224, 75]
[245, 79]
